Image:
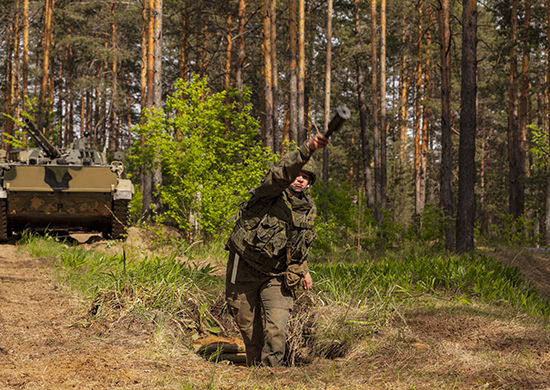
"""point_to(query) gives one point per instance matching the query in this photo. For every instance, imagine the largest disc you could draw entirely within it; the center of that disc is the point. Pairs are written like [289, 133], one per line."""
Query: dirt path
[47, 342]
[42, 345]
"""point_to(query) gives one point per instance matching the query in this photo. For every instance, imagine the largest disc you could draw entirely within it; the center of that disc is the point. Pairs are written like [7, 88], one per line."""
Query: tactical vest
[264, 229]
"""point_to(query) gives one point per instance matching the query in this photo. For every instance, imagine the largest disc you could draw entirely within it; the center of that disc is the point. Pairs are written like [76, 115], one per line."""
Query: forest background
[447, 143]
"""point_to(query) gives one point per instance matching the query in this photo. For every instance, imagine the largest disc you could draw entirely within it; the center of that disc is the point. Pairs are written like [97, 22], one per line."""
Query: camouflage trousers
[261, 306]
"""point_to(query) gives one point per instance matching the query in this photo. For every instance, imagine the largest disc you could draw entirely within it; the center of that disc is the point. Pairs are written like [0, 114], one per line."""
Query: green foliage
[539, 146]
[345, 222]
[391, 279]
[159, 281]
[518, 232]
[205, 145]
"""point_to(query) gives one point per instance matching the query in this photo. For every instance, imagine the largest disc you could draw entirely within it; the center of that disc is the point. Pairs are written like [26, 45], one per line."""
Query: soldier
[269, 248]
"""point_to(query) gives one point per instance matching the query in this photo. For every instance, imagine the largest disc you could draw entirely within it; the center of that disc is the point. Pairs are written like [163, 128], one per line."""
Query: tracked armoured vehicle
[70, 189]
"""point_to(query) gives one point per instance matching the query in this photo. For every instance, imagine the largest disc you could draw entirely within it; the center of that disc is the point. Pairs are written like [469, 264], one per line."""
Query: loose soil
[48, 340]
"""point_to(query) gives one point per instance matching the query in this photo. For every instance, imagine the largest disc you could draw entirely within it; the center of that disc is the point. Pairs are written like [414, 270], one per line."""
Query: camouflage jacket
[274, 225]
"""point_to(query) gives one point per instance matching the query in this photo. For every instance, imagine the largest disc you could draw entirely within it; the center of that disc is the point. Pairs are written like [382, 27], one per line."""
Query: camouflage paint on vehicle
[70, 189]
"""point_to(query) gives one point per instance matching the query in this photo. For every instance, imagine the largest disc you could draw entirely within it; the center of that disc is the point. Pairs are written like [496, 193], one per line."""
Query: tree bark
[268, 77]
[147, 181]
[293, 81]
[513, 138]
[328, 69]
[15, 87]
[184, 42]
[241, 55]
[363, 120]
[375, 124]
[157, 102]
[419, 190]
[25, 63]
[45, 85]
[426, 115]
[547, 208]
[275, 77]
[523, 107]
[468, 123]
[383, 164]
[113, 121]
[301, 70]
[228, 66]
[446, 140]
[404, 87]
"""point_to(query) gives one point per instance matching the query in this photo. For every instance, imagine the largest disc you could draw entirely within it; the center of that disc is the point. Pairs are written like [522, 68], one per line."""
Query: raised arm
[279, 177]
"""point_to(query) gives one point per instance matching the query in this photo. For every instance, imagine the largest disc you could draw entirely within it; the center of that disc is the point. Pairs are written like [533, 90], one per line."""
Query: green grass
[159, 282]
[464, 277]
[354, 299]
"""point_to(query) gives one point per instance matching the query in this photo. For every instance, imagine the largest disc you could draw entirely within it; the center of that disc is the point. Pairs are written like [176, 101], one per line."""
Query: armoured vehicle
[70, 189]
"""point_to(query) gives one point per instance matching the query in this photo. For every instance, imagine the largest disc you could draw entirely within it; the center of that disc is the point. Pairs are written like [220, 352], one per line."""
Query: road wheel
[120, 218]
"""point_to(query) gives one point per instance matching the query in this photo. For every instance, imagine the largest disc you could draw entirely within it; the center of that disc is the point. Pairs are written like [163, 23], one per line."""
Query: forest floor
[46, 342]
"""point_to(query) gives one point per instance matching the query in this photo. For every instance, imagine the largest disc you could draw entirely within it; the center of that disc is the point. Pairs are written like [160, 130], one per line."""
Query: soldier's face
[301, 181]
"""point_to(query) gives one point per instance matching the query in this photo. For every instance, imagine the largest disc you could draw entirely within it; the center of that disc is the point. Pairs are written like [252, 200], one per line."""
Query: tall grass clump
[389, 279]
[134, 282]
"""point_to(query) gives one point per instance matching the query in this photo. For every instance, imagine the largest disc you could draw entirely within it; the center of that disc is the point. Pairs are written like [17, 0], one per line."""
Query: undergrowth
[350, 299]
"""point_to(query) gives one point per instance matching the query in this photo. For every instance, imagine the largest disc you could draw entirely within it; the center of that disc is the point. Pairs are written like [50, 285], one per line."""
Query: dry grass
[432, 343]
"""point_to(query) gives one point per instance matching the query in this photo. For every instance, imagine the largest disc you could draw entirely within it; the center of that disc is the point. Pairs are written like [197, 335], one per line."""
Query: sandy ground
[48, 342]
[44, 346]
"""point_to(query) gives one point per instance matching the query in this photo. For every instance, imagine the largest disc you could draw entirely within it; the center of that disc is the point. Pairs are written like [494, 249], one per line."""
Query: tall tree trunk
[184, 42]
[16, 70]
[45, 85]
[375, 124]
[293, 81]
[228, 66]
[426, 115]
[383, 164]
[158, 39]
[547, 208]
[513, 139]
[484, 225]
[25, 64]
[240, 46]
[114, 85]
[468, 122]
[147, 184]
[268, 77]
[523, 103]
[157, 102]
[70, 92]
[7, 125]
[144, 176]
[202, 38]
[328, 69]
[403, 107]
[363, 121]
[419, 191]
[275, 76]
[301, 70]
[446, 140]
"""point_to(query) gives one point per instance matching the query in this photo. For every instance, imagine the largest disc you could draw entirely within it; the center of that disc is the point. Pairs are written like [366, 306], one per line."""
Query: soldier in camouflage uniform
[269, 248]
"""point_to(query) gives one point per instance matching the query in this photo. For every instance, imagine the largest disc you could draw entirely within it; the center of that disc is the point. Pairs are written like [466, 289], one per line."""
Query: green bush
[205, 145]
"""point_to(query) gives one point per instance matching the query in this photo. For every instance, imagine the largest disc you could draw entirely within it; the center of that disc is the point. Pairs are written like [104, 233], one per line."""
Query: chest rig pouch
[265, 234]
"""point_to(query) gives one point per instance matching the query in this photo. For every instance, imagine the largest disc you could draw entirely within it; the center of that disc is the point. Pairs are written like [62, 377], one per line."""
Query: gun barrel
[342, 115]
[41, 140]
